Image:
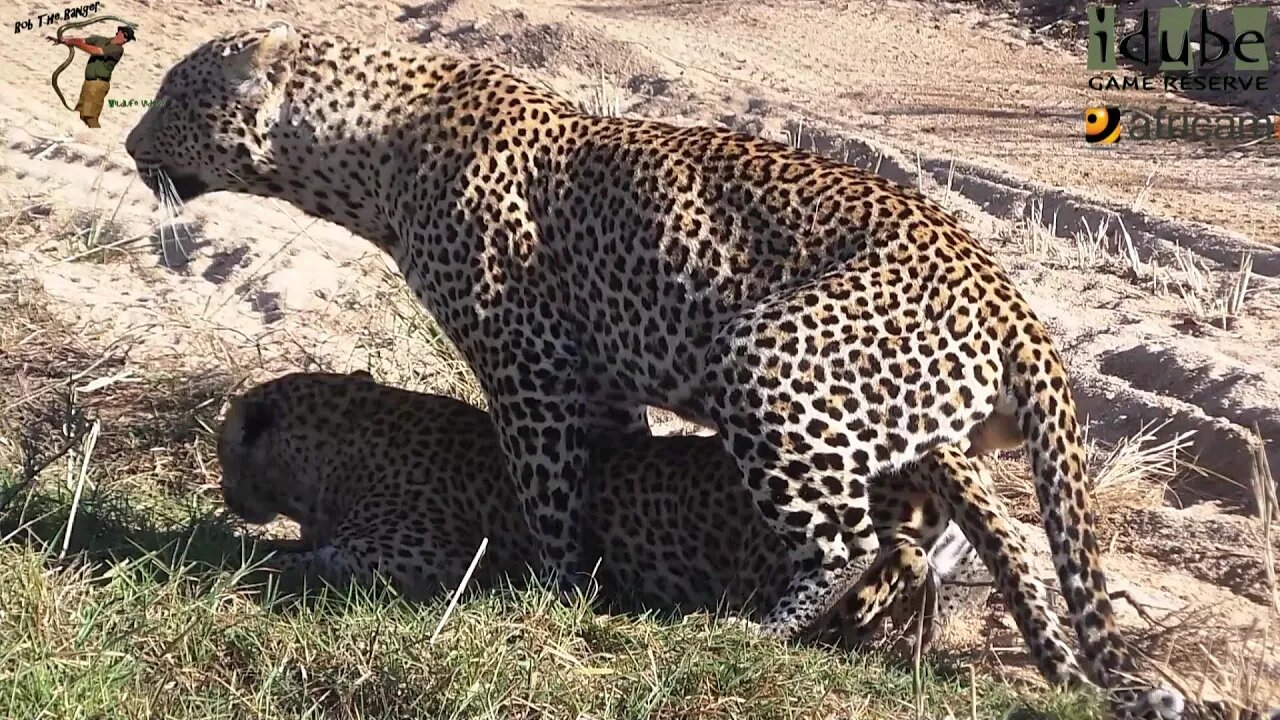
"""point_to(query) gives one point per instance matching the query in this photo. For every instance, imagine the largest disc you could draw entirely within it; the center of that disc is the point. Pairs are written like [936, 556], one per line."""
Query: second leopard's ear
[256, 417]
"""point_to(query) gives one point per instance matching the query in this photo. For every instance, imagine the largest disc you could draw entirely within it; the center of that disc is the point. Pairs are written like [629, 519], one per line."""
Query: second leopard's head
[281, 442]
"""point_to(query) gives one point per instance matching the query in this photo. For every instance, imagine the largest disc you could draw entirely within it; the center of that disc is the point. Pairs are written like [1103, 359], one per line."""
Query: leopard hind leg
[968, 489]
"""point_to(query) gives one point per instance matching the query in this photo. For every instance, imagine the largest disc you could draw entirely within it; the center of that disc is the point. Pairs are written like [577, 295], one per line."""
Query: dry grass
[1210, 653]
[1218, 303]
[1032, 233]
[1268, 509]
[1137, 471]
[24, 218]
[399, 343]
[96, 229]
[1133, 473]
[156, 424]
[945, 195]
[795, 134]
[605, 97]
[94, 233]
[1208, 297]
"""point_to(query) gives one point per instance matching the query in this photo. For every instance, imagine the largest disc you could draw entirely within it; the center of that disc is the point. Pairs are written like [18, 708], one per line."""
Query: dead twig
[453, 601]
[32, 469]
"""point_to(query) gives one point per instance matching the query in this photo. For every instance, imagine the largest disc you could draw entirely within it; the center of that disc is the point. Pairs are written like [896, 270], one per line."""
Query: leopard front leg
[543, 416]
[339, 566]
[371, 549]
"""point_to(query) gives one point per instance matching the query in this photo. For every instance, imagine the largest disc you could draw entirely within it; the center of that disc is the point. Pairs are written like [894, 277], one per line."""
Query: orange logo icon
[1101, 125]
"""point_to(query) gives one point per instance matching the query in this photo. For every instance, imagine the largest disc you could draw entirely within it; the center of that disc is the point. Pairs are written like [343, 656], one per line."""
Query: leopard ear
[281, 38]
[252, 60]
[256, 417]
[362, 374]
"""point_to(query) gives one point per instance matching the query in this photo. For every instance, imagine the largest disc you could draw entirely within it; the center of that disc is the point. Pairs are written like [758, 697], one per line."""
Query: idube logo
[1191, 49]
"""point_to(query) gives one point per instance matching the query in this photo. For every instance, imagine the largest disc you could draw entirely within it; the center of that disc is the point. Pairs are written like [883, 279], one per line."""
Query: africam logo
[1105, 125]
[1101, 125]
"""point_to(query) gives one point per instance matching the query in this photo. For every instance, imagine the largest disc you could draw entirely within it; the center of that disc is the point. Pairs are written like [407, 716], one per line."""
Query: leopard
[393, 487]
[832, 325]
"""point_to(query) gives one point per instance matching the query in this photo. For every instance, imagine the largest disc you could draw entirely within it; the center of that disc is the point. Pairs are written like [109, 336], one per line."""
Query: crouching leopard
[832, 325]
[409, 503]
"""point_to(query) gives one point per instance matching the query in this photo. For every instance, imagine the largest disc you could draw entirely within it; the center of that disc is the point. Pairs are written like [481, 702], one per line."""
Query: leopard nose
[132, 140]
[135, 144]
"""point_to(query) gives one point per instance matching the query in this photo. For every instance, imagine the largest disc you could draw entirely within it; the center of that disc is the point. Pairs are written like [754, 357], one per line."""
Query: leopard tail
[1045, 412]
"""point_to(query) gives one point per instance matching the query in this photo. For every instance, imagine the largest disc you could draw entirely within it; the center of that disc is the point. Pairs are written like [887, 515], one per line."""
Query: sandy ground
[1125, 254]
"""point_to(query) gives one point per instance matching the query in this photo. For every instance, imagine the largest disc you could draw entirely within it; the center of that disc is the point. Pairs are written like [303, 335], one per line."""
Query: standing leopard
[832, 325]
[411, 500]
